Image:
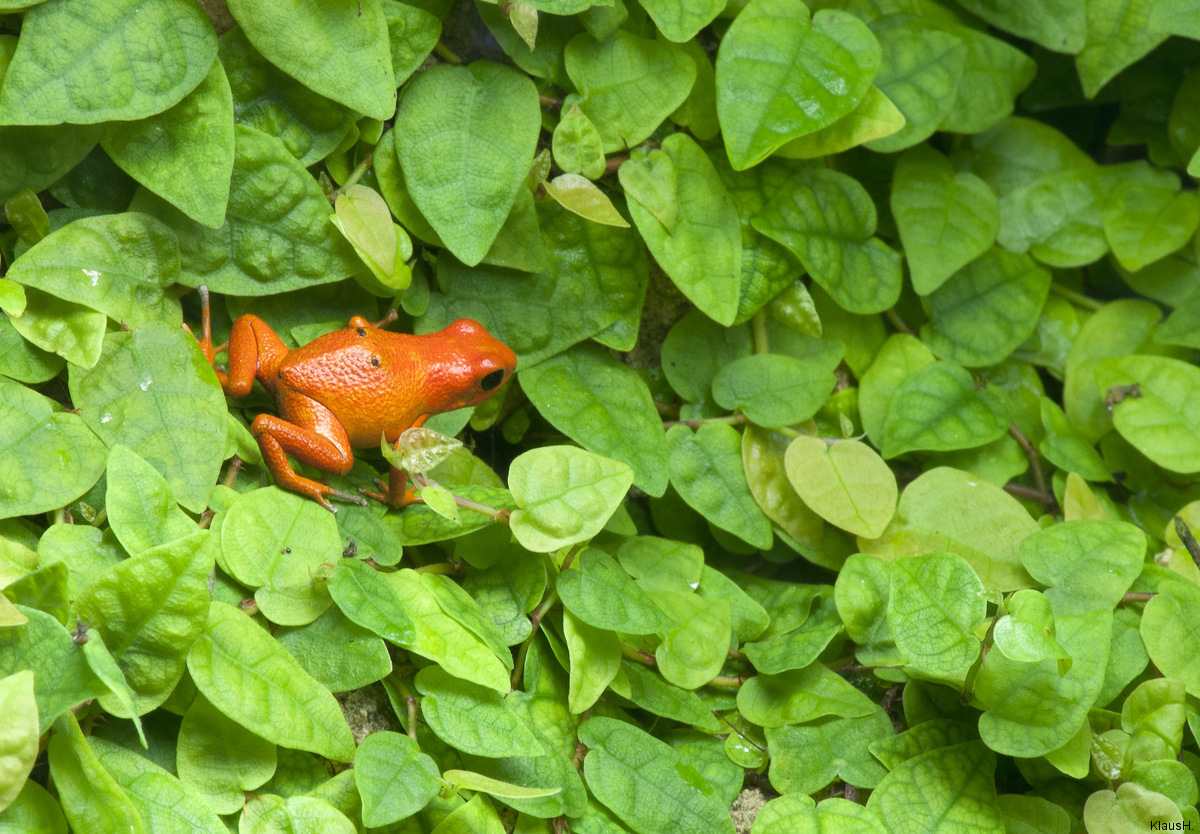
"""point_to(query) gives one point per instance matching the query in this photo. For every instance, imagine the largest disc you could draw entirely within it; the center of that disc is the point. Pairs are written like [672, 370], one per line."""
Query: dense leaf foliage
[847, 479]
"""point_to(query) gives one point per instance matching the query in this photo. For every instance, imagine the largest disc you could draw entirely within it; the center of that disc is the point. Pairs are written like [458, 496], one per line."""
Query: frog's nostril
[492, 381]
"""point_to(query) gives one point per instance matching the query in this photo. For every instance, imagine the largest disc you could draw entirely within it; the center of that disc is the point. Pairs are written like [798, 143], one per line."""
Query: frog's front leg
[310, 433]
[254, 350]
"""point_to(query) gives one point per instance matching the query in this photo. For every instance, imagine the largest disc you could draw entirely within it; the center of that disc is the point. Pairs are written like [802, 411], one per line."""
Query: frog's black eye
[361, 331]
[492, 381]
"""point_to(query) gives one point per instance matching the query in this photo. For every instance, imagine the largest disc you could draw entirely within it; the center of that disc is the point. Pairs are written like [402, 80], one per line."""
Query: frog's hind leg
[312, 434]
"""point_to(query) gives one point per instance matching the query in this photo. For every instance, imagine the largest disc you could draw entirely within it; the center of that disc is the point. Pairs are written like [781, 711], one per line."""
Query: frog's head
[482, 363]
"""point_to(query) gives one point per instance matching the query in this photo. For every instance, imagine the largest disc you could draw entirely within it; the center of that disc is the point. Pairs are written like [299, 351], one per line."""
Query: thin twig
[732, 419]
[1030, 494]
[1035, 463]
[1189, 541]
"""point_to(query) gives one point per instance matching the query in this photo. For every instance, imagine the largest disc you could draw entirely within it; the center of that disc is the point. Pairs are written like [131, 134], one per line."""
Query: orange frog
[345, 389]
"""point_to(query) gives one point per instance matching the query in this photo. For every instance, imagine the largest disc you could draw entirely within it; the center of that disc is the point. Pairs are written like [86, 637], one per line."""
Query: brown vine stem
[1030, 494]
[1189, 541]
[732, 419]
[1034, 462]
[1137, 596]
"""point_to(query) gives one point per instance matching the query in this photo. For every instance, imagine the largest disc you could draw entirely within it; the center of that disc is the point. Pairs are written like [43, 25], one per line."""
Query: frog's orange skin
[344, 390]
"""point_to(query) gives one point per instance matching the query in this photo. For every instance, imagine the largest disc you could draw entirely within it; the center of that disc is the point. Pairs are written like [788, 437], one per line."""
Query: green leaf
[564, 495]
[155, 392]
[74, 332]
[1026, 632]
[91, 798]
[1131, 806]
[595, 660]
[144, 57]
[473, 718]
[276, 235]
[950, 787]
[920, 73]
[141, 510]
[698, 113]
[766, 475]
[937, 409]
[695, 648]
[773, 390]
[597, 276]
[524, 19]
[1167, 631]
[1144, 223]
[577, 146]
[119, 264]
[1032, 709]
[1059, 25]
[946, 219]
[363, 217]
[900, 357]
[1117, 35]
[419, 524]
[795, 813]
[48, 458]
[649, 691]
[995, 74]
[702, 253]
[221, 760]
[394, 778]
[248, 676]
[873, 118]
[403, 610]
[601, 594]
[1088, 564]
[1067, 448]
[987, 309]
[646, 783]
[275, 542]
[165, 803]
[340, 654]
[827, 220]
[19, 736]
[578, 194]
[1118, 328]
[338, 49]
[695, 349]
[781, 75]
[1056, 218]
[806, 759]
[62, 678]
[36, 157]
[1161, 416]
[680, 22]
[706, 469]
[934, 604]
[846, 483]
[469, 139]
[948, 510]
[413, 33]
[149, 609]
[495, 787]
[184, 154]
[604, 405]
[800, 696]
[627, 85]
[266, 99]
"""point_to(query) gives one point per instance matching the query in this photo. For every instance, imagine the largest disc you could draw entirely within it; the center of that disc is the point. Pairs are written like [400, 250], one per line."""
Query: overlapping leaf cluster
[852, 455]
